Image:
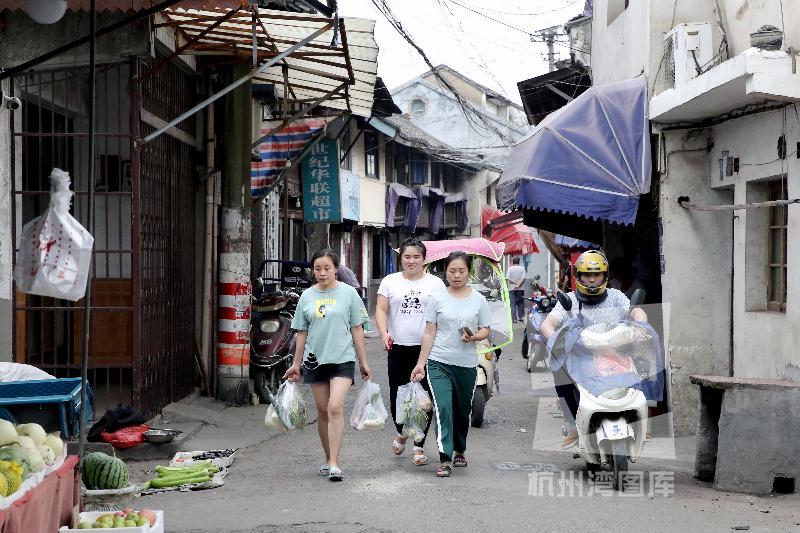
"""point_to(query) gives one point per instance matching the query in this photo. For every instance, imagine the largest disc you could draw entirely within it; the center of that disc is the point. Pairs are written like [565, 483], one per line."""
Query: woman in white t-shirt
[400, 316]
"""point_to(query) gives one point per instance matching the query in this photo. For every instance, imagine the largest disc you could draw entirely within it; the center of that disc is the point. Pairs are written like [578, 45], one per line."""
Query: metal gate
[164, 287]
[50, 131]
[143, 315]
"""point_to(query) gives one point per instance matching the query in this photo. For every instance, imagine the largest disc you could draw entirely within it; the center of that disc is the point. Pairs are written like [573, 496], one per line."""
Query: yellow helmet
[594, 262]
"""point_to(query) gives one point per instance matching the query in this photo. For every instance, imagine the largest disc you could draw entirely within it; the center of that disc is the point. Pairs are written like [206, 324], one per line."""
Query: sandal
[335, 474]
[459, 460]
[444, 471]
[398, 447]
[419, 456]
[324, 470]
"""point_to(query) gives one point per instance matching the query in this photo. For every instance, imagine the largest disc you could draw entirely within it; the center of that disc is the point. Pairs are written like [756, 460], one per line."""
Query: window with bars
[371, 153]
[776, 248]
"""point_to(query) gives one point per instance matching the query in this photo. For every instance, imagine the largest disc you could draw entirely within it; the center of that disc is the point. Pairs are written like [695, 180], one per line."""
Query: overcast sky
[485, 50]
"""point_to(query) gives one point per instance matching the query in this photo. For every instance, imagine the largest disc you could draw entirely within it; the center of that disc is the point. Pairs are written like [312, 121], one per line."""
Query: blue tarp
[571, 242]
[591, 158]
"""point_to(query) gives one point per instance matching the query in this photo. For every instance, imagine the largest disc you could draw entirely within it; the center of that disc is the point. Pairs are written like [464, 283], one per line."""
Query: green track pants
[452, 388]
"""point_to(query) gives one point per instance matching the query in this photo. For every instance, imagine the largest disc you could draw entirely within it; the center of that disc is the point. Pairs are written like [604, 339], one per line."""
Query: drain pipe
[206, 342]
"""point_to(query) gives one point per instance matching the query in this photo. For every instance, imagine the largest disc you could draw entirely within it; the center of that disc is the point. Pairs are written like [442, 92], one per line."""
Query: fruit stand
[45, 506]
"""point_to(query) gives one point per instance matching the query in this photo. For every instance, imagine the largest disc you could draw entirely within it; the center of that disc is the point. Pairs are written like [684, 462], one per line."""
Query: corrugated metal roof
[314, 70]
[134, 5]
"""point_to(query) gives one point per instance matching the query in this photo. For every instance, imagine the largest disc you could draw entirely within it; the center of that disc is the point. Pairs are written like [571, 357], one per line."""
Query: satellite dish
[45, 11]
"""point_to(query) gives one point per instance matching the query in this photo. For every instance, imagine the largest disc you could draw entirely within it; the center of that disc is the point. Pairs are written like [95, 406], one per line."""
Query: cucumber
[166, 482]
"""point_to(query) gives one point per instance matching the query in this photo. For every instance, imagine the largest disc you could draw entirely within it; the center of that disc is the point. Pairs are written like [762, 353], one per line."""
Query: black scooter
[272, 340]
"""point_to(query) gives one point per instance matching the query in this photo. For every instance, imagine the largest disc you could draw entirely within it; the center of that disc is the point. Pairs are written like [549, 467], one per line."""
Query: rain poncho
[600, 357]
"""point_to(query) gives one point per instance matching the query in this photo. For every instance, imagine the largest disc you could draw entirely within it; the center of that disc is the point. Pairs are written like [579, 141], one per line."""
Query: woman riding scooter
[598, 303]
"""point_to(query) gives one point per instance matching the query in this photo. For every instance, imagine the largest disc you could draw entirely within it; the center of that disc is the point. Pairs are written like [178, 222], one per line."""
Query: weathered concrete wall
[764, 341]
[444, 120]
[467, 90]
[625, 47]
[627, 51]
[23, 39]
[743, 17]
[697, 277]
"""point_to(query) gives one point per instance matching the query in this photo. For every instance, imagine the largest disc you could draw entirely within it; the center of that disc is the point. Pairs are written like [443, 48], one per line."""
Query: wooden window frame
[777, 191]
[371, 153]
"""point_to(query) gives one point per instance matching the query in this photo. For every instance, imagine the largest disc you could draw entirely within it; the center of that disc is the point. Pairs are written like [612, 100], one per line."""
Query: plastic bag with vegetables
[290, 406]
[410, 410]
[422, 396]
[369, 413]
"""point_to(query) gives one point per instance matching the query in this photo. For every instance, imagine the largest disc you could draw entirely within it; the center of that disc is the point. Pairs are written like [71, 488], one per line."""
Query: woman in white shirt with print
[399, 314]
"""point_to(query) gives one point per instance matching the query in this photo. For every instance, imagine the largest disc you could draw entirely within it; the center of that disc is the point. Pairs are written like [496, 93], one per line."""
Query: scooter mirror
[637, 298]
[565, 301]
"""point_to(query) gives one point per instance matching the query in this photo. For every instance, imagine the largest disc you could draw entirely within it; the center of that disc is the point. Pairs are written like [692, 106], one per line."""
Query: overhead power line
[533, 37]
[565, 6]
[475, 118]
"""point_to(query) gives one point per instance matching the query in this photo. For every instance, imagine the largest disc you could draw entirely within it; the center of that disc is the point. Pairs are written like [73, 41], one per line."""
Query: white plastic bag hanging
[411, 412]
[290, 406]
[369, 412]
[55, 250]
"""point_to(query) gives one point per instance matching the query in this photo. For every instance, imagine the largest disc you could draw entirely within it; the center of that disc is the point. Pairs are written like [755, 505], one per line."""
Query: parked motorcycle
[272, 340]
[534, 345]
[609, 364]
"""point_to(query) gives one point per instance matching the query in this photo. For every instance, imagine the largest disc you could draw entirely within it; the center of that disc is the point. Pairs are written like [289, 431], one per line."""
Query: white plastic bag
[369, 413]
[410, 410]
[55, 250]
[290, 406]
[272, 420]
[422, 396]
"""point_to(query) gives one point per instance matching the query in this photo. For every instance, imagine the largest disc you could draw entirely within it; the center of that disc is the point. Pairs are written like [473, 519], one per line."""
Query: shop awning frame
[318, 69]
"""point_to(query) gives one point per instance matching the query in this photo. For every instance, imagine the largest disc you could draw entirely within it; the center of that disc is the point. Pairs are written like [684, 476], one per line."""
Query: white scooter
[484, 386]
[612, 426]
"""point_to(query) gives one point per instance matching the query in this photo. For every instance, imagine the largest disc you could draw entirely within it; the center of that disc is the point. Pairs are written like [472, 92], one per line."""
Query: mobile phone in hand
[467, 331]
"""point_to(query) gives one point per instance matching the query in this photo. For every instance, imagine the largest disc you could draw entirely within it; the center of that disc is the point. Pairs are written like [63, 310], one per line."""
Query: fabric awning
[517, 237]
[394, 192]
[591, 158]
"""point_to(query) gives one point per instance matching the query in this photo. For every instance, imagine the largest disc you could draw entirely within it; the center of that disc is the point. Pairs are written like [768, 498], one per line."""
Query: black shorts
[325, 373]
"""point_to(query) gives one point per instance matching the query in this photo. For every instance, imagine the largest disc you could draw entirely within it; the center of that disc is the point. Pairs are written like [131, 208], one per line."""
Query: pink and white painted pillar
[233, 310]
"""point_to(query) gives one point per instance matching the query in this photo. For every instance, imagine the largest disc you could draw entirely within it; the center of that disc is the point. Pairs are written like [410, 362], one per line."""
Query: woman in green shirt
[330, 336]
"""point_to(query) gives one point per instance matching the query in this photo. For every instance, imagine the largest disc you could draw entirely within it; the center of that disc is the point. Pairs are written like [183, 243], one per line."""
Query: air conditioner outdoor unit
[688, 52]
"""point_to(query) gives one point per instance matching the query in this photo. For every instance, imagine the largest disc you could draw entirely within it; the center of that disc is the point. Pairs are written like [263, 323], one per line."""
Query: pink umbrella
[440, 249]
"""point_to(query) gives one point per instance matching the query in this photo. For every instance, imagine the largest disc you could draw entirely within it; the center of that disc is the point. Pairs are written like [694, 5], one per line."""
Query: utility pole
[548, 35]
[233, 325]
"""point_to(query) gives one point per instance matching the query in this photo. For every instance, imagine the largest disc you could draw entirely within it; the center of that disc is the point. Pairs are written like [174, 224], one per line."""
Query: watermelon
[103, 472]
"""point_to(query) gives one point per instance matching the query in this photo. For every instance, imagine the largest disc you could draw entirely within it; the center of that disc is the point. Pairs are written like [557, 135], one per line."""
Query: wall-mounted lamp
[45, 11]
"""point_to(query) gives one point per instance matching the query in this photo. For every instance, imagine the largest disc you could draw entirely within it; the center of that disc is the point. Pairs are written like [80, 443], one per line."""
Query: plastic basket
[53, 403]
[109, 500]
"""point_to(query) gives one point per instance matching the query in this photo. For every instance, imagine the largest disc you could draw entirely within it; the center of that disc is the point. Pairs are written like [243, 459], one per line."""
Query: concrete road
[517, 478]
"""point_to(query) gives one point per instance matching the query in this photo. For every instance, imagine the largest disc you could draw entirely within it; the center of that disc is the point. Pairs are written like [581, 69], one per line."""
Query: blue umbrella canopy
[590, 158]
